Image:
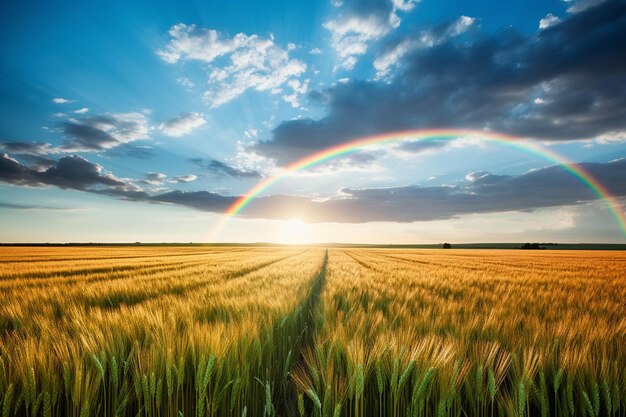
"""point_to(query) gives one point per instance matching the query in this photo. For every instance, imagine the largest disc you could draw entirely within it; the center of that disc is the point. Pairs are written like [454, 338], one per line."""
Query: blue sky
[143, 121]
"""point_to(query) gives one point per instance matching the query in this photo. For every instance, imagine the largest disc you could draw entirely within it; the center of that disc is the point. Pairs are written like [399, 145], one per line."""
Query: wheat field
[309, 331]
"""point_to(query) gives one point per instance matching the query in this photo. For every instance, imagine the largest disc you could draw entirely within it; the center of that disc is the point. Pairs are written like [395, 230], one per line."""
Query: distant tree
[531, 246]
[447, 246]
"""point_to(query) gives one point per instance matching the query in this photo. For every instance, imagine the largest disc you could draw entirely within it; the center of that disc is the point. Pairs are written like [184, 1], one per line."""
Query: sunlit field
[309, 331]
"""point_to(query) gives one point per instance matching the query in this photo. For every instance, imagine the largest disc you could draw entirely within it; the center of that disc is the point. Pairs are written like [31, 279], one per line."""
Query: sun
[295, 232]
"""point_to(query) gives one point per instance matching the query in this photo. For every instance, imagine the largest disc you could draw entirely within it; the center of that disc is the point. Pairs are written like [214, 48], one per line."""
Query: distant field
[295, 331]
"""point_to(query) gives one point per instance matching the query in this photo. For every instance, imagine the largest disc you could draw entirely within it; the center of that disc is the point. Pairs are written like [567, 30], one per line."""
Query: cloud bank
[477, 192]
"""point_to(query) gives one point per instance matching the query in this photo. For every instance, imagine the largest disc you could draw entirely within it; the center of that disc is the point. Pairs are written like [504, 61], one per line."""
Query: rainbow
[324, 155]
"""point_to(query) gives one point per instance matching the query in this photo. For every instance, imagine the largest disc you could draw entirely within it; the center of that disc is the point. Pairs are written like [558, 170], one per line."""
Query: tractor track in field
[247, 271]
[310, 309]
[283, 343]
[420, 262]
[360, 262]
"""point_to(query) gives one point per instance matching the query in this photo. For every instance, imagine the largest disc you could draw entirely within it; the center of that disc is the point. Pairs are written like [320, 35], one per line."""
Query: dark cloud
[11, 171]
[481, 193]
[16, 206]
[39, 163]
[27, 148]
[357, 159]
[394, 47]
[357, 23]
[77, 173]
[220, 169]
[201, 200]
[422, 146]
[363, 157]
[104, 131]
[127, 150]
[87, 137]
[73, 172]
[368, 8]
[563, 83]
[33, 153]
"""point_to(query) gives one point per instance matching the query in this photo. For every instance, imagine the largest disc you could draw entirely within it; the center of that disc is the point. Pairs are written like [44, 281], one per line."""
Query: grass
[267, 331]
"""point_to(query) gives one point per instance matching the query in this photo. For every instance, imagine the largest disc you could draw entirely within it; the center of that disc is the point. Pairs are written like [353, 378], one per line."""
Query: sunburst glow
[295, 232]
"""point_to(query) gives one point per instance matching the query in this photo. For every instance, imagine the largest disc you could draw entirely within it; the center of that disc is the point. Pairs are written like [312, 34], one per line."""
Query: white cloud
[247, 159]
[404, 5]
[351, 37]
[158, 178]
[187, 43]
[549, 20]
[81, 111]
[476, 175]
[298, 89]
[251, 133]
[388, 59]
[185, 82]
[59, 100]
[618, 136]
[182, 125]
[462, 24]
[353, 29]
[154, 178]
[315, 51]
[252, 62]
[127, 127]
[183, 179]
